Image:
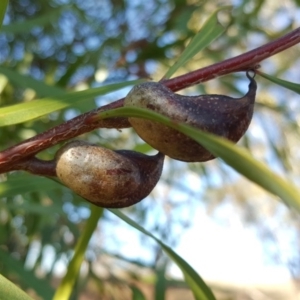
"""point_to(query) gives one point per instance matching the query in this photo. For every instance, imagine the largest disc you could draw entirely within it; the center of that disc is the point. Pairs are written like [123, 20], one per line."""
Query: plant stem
[86, 122]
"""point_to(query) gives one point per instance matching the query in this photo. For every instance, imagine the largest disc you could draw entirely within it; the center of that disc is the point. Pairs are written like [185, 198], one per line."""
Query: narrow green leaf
[137, 294]
[41, 88]
[208, 33]
[9, 291]
[22, 112]
[25, 183]
[33, 208]
[295, 87]
[64, 79]
[200, 290]
[3, 7]
[143, 148]
[65, 288]
[160, 287]
[26, 26]
[238, 158]
[41, 286]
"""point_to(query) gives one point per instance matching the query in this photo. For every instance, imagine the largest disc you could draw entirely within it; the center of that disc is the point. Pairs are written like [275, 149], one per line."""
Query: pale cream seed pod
[107, 178]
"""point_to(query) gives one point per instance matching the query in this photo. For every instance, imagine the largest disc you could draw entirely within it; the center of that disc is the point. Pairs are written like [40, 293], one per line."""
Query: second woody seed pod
[218, 114]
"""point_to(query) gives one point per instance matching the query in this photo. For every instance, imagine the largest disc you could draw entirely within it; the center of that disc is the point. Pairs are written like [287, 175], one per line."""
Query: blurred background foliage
[73, 45]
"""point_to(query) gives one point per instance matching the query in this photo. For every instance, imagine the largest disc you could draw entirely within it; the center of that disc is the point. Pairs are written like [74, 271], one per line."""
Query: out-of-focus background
[242, 240]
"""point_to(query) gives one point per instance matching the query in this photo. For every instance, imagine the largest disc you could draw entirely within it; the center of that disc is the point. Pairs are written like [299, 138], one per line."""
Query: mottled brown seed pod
[221, 115]
[107, 178]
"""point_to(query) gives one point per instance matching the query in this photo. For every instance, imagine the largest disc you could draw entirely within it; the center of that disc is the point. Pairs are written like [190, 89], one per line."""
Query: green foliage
[26, 26]
[210, 31]
[25, 81]
[3, 6]
[286, 84]
[10, 292]
[23, 112]
[66, 287]
[25, 183]
[49, 50]
[41, 286]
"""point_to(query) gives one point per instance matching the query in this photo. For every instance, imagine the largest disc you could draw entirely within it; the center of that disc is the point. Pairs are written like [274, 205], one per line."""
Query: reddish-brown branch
[246, 61]
[10, 157]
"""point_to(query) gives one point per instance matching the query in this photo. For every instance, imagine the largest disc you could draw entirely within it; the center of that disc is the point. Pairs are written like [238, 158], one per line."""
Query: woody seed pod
[221, 115]
[108, 178]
